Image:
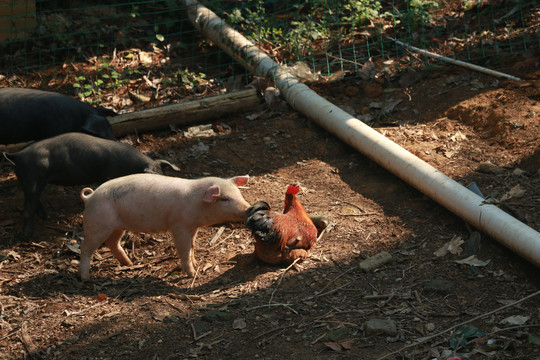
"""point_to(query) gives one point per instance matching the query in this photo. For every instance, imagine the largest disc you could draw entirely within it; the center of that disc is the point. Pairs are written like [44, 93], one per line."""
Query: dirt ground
[234, 308]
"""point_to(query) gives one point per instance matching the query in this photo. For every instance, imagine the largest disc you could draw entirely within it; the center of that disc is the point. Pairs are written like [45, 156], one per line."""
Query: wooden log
[184, 113]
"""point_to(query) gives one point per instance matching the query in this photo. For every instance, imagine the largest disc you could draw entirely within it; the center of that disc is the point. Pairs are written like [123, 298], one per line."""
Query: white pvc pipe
[509, 231]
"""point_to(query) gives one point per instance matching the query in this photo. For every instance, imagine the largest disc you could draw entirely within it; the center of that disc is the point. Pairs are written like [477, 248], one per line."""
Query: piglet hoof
[189, 270]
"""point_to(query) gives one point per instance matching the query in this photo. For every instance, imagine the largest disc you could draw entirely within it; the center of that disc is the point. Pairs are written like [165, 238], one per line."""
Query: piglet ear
[240, 180]
[211, 194]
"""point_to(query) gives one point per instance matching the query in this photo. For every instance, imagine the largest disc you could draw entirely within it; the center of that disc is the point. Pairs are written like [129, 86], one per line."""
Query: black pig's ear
[99, 126]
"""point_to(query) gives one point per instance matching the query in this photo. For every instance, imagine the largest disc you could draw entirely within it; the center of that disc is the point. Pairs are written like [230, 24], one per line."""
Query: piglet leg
[113, 243]
[92, 243]
[183, 241]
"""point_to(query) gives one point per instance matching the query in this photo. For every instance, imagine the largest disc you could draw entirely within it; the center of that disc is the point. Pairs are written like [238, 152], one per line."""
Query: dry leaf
[473, 261]
[515, 320]
[14, 255]
[334, 346]
[517, 191]
[339, 346]
[453, 247]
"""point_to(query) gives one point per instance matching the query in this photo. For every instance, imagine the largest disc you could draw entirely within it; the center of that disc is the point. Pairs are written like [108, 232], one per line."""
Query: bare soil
[236, 308]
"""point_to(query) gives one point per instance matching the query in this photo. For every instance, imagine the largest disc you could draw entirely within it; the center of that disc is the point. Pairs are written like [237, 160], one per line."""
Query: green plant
[420, 11]
[463, 334]
[360, 11]
[190, 79]
[87, 87]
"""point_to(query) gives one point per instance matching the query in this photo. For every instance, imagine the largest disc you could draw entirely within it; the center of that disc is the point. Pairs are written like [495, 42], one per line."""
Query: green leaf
[466, 330]
[160, 37]
[76, 85]
[534, 340]
[128, 56]
[105, 76]
[458, 342]
[88, 86]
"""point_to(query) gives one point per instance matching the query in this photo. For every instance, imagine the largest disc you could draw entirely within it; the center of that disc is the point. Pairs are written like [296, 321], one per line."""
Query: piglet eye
[224, 198]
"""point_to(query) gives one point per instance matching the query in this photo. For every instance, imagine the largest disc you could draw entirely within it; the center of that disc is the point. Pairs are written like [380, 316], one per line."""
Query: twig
[317, 339]
[216, 237]
[194, 277]
[272, 330]
[329, 226]
[514, 328]
[326, 293]
[334, 279]
[9, 334]
[423, 340]
[216, 244]
[268, 305]
[83, 310]
[173, 306]
[281, 279]
[362, 214]
[197, 338]
[350, 203]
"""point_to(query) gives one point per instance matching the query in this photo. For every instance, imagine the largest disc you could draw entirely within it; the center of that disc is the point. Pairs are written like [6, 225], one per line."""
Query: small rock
[489, 168]
[69, 322]
[216, 316]
[472, 245]
[239, 324]
[409, 78]
[351, 90]
[337, 335]
[375, 261]
[380, 327]
[518, 172]
[442, 286]
[372, 90]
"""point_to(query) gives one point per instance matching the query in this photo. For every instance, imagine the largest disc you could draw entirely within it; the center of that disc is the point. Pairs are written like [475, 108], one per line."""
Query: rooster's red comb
[293, 189]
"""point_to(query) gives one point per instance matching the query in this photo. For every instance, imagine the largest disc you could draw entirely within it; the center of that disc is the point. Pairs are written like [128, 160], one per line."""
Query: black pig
[74, 159]
[29, 114]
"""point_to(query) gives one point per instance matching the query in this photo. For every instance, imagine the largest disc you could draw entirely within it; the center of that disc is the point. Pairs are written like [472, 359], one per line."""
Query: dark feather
[260, 219]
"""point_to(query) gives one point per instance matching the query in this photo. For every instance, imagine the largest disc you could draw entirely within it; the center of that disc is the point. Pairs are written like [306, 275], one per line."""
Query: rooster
[282, 238]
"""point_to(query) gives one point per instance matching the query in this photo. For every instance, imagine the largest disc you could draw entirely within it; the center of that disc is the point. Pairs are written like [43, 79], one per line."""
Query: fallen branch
[27, 340]
[456, 62]
[423, 340]
[184, 113]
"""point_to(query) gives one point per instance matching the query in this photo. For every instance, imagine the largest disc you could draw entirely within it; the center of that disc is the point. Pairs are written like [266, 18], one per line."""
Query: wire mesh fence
[147, 53]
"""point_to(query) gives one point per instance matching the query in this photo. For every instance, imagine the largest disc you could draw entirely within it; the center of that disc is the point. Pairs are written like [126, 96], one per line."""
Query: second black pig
[74, 159]
[30, 114]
